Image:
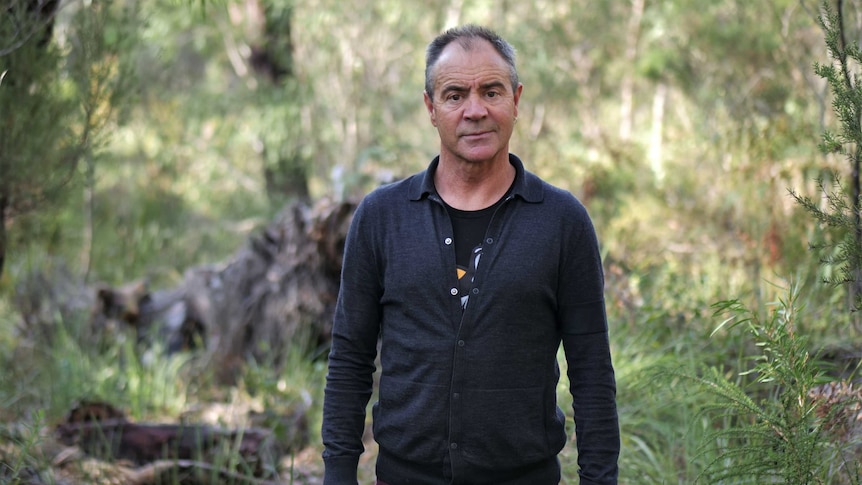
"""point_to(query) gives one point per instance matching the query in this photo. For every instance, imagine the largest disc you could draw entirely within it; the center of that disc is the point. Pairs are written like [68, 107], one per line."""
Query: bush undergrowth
[764, 425]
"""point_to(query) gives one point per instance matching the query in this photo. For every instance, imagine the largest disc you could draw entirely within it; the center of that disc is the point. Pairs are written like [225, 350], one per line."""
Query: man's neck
[473, 185]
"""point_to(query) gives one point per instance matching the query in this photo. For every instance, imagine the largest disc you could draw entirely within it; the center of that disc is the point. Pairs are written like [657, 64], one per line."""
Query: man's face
[474, 108]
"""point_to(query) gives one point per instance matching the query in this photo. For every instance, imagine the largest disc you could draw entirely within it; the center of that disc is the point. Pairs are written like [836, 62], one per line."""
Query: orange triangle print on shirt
[461, 272]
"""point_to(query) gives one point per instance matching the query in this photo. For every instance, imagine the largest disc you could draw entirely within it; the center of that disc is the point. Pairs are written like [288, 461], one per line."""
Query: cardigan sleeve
[593, 389]
[355, 330]
[583, 322]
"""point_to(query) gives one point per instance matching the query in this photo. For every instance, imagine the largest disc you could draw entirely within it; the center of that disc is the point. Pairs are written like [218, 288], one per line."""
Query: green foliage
[661, 430]
[72, 366]
[26, 437]
[844, 255]
[61, 97]
[286, 394]
[847, 94]
[840, 211]
[765, 421]
[177, 158]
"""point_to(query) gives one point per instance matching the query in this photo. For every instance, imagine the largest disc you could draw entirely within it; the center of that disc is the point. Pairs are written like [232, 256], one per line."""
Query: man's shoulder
[559, 195]
[557, 207]
[392, 196]
[533, 188]
[552, 194]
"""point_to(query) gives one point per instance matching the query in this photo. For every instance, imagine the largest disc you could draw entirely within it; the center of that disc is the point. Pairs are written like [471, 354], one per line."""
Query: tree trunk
[3, 205]
[275, 297]
[855, 287]
[272, 61]
[657, 134]
[89, 193]
[286, 180]
[627, 90]
[453, 14]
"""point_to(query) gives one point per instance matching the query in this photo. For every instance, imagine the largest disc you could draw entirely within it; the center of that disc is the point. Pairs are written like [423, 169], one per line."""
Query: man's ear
[517, 98]
[429, 105]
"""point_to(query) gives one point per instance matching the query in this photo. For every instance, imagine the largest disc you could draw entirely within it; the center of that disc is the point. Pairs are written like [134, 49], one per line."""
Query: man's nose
[475, 107]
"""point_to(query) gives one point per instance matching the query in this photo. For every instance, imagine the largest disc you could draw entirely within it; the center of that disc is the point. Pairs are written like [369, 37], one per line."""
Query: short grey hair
[465, 35]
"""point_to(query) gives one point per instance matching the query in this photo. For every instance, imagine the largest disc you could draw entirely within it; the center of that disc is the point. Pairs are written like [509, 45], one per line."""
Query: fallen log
[102, 431]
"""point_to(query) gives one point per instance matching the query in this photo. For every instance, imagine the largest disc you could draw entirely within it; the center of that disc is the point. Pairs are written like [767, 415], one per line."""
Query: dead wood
[100, 430]
[274, 296]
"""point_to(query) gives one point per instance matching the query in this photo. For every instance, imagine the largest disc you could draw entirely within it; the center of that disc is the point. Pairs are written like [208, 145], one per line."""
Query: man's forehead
[481, 64]
[466, 48]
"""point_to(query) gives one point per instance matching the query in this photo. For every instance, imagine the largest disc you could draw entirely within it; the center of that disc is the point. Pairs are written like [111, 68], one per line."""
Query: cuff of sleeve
[587, 481]
[340, 470]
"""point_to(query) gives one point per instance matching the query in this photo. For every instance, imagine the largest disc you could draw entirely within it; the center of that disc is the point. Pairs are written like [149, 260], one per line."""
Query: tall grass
[55, 374]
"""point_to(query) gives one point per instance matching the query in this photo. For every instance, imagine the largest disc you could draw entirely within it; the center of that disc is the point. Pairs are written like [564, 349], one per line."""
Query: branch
[37, 27]
[842, 54]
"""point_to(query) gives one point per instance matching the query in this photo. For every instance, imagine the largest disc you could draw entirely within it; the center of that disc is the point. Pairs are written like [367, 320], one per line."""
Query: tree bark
[656, 154]
[273, 299]
[271, 59]
[3, 205]
[276, 296]
[87, 236]
[856, 160]
[627, 90]
[103, 431]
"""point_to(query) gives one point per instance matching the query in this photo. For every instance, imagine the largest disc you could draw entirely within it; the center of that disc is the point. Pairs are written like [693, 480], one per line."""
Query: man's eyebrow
[492, 85]
[454, 88]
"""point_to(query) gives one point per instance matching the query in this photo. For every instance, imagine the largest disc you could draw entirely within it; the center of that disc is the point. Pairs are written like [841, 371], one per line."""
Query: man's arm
[593, 387]
[584, 326]
[349, 381]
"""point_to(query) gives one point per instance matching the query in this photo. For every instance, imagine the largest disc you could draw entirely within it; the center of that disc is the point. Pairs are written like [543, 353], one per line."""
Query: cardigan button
[453, 446]
[454, 291]
[447, 241]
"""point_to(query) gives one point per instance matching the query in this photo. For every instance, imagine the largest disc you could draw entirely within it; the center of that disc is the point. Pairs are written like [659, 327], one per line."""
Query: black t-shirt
[469, 229]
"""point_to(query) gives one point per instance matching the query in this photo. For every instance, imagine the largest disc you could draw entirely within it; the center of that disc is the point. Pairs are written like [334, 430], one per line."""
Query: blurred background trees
[60, 86]
[661, 116]
[141, 138]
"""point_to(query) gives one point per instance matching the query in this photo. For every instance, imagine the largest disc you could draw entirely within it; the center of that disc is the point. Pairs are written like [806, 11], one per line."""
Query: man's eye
[492, 94]
[454, 97]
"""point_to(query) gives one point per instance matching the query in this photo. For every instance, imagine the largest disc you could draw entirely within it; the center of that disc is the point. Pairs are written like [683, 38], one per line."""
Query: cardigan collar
[526, 185]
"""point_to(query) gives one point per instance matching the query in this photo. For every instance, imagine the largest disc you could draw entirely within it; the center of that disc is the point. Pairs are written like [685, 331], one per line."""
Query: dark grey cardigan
[470, 397]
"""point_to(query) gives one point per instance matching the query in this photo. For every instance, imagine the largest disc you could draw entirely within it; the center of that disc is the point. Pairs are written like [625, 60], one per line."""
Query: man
[470, 274]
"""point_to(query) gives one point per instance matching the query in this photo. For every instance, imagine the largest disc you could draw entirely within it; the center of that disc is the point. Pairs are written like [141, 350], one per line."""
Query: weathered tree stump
[275, 296]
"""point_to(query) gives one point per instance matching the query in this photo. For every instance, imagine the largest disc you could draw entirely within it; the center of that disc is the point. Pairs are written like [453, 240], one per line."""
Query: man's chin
[480, 157]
